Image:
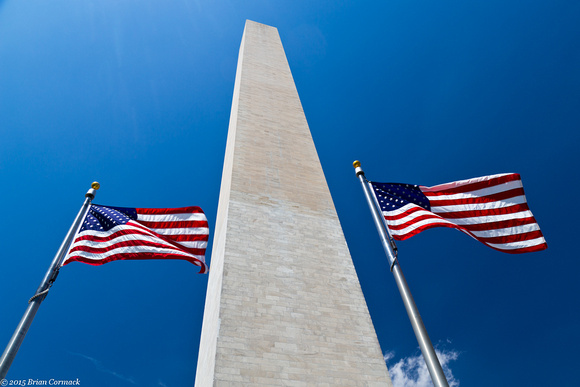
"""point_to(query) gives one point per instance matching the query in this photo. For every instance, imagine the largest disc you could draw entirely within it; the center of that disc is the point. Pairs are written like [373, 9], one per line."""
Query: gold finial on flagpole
[357, 168]
[91, 192]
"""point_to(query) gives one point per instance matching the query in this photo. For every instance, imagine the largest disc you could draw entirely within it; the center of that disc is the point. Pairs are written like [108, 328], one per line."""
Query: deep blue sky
[137, 95]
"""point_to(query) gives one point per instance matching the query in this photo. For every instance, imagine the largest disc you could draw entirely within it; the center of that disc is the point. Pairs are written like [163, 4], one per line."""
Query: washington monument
[284, 306]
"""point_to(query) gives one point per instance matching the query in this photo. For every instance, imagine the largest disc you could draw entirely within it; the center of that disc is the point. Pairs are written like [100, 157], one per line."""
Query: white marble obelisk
[284, 306]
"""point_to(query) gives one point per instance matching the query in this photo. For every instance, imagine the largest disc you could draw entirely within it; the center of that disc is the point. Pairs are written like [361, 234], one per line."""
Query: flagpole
[42, 291]
[433, 365]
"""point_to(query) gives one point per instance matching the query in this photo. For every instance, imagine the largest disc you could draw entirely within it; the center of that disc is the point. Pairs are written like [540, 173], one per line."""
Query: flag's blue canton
[102, 218]
[393, 196]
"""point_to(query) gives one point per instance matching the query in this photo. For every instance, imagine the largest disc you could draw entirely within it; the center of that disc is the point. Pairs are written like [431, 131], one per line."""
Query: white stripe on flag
[517, 245]
[194, 244]
[478, 193]
[182, 231]
[419, 224]
[492, 218]
[171, 217]
[455, 184]
[131, 249]
[480, 206]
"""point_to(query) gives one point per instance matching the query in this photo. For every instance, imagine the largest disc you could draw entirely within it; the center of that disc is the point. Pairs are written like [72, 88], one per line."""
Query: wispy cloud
[412, 371]
[100, 367]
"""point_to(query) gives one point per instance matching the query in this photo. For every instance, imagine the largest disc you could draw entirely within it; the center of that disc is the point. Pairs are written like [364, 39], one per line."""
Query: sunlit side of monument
[284, 305]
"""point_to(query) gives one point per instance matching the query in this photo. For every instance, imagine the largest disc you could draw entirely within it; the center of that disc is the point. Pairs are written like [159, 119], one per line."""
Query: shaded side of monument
[284, 305]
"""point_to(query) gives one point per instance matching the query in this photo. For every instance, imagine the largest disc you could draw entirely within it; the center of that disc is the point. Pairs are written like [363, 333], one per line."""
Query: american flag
[491, 209]
[116, 233]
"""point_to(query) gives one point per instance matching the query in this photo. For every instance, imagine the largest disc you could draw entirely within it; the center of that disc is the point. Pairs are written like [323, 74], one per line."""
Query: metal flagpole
[433, 365]
[42, 291]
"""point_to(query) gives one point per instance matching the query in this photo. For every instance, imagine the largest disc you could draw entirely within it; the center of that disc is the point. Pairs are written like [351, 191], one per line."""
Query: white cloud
[412, 371]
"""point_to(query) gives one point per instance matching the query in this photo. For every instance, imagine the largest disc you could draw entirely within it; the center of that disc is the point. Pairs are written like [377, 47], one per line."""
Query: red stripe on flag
[167, 238]
[190, 237]
[413, 221]
[514, 209]
[404, 214]
[511, 238]
[133, 243]
[177, 224]
[512, 193]
[158, 211]
[463, 188]
[417, 230]
[109, 237]
[500, 224]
